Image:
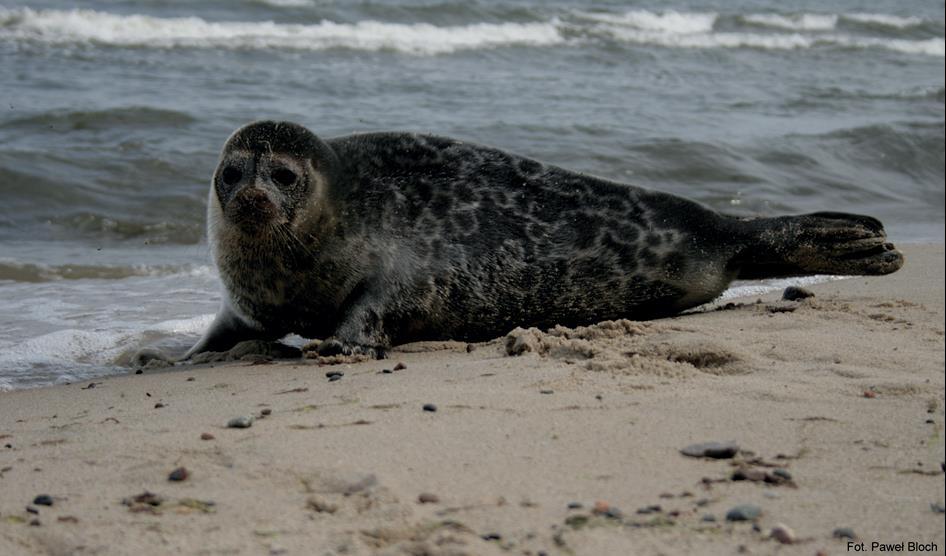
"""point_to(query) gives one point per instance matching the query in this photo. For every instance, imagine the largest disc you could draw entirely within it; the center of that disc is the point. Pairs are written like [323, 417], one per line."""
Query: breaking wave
[668, 29]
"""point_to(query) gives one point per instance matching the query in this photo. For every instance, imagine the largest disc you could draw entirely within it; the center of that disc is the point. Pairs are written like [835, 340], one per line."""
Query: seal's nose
[251, 206]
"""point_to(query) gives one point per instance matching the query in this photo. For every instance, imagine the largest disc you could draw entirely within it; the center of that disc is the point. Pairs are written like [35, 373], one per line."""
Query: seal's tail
[817, 243]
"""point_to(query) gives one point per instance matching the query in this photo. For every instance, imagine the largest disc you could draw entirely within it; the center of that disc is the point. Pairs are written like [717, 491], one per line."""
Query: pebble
[546, 391]
[794, 293]
[843, 533]
[743, 512]
[32, 510]
[331, 374]
[43, 500]
[334, 378]
[266, 412]
[241, 422]
[178, 474]
[783, 473]
[716, 450]
[937, 508]
[386, 371]
[430, 407]
[427, 498]
[321, 506]
[400, 367]
[158, 405]
[492, 537]
[206, 436]
[783, 534]
[650, 509]
[574, 505]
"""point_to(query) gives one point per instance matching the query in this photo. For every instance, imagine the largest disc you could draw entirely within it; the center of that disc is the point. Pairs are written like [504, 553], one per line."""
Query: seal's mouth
[252, 209]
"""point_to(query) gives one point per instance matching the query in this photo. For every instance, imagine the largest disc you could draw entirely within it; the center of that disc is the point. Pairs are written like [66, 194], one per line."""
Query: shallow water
[113, 116]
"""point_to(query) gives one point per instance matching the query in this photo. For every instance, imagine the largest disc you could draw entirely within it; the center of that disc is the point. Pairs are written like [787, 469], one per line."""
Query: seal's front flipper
[333, 346]
[817, 243]
[226, 331]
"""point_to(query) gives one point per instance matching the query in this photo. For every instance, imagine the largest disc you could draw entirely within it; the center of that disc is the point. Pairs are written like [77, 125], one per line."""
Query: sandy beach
[830, 410]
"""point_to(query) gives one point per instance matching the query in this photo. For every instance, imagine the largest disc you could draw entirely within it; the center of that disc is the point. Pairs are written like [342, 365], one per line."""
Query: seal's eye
[284, 177]
[231, 175]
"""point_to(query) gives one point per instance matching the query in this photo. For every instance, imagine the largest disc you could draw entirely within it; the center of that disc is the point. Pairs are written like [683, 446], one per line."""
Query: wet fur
[397, 237]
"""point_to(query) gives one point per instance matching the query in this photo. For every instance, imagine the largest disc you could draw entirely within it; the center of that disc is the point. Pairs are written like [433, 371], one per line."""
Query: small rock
[844, 533]
[241, 422]
[427, 498]
[783, 534]
[32, 510]
[266, 412]
[650, 509]
[386, 371]
[400, 367]
[748, 474]
[43, 500]
[206, 436]
[35, 523]
[709, 518]
[937, 508]
[321, 506]
[178, 474]
[334, 378]
[574, 506]
[782, 473]
[158, 405]
[331, 374]
[430, 407]
[492, 537]
[600, 507]
[870, 394]
[743, 512]
[794, 293]
[67, 519]
[546, 391]
[716, 450]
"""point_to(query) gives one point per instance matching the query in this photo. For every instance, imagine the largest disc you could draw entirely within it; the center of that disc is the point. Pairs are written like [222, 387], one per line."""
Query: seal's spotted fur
[384, 238]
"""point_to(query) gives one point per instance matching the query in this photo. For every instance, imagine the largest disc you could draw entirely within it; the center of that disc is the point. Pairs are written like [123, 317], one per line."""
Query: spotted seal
[377, 239]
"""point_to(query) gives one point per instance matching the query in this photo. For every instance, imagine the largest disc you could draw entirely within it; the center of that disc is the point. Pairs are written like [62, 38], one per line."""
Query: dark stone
[400, 367]
[430, 407]
[937, 508]
[794, 293]
[782, 473]
[574, 505]
[331, 374]
[179, 474]
[844, 533]
[492, 537]
[716, 450]
[43, 500]
[266, 412]
[334, 378]
[743, 512]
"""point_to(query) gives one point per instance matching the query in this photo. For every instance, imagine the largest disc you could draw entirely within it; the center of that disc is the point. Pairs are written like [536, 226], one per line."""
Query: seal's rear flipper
[817, 243]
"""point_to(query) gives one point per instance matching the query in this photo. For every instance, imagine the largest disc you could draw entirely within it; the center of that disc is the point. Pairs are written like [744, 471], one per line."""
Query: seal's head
[271, 175]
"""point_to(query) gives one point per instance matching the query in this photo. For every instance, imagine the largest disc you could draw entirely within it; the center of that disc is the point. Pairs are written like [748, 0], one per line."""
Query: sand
[843, 393]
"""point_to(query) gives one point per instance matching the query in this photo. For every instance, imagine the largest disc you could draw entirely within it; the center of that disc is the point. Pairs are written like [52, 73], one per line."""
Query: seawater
[113, 114]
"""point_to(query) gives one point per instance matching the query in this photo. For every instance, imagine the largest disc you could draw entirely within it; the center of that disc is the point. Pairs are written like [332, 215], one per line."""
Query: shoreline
[843, 391]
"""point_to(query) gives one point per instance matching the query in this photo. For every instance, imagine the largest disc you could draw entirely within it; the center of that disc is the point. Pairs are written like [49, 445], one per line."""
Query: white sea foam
[669, 29]
[799, 22]
[78, 26]
[77, 354]
[747, 289]
[671, 22]
[896, 21]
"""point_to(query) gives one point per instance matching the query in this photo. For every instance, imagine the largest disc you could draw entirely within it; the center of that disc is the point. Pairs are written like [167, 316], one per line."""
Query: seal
[377, 239]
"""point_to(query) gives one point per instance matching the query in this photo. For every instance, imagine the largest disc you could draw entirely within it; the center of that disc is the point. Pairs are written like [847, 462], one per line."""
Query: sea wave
[73, 355]
[16, 271]
[798, 22]
[668, 29]
[88, 26]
